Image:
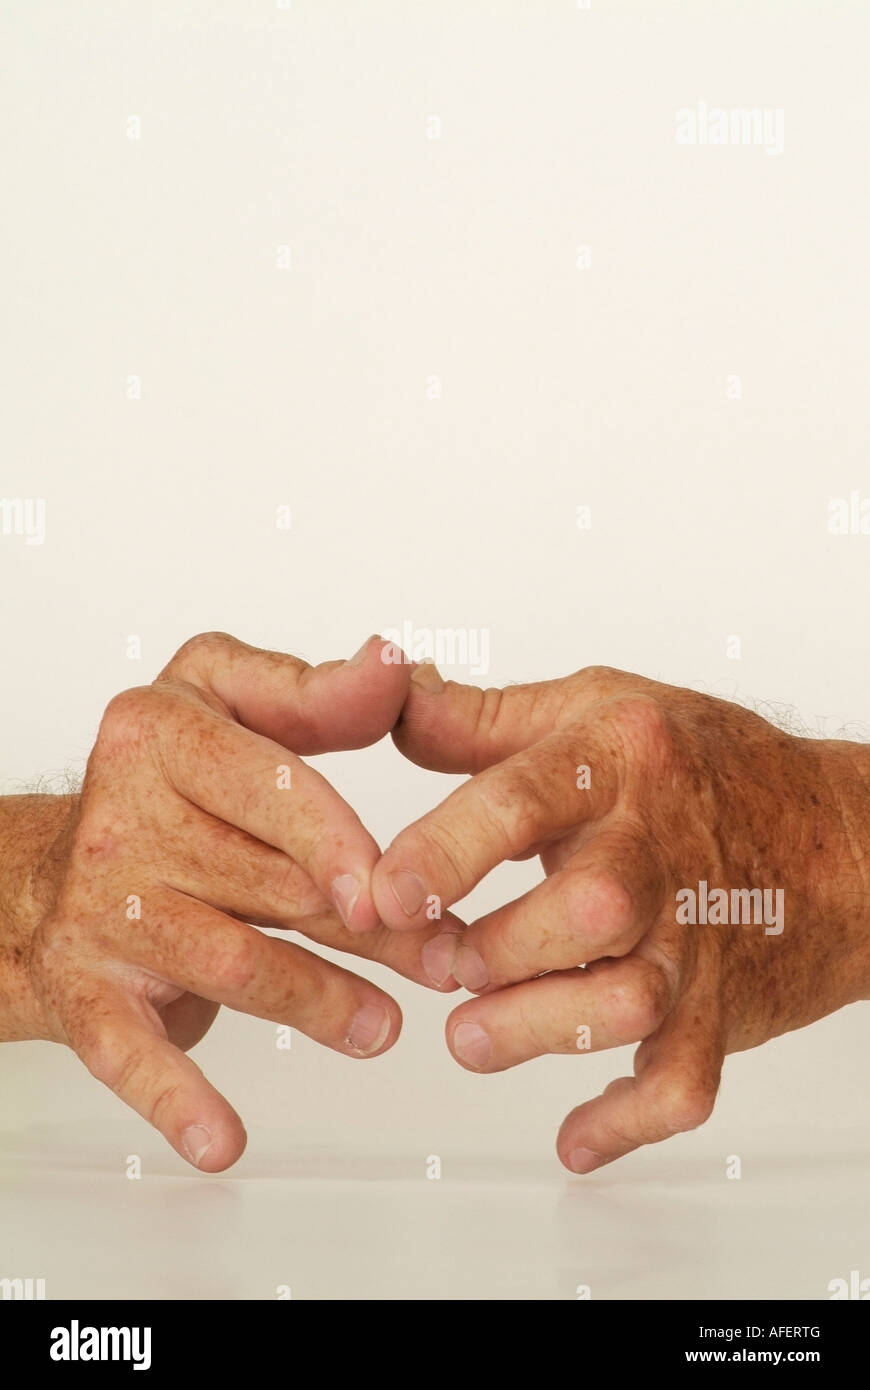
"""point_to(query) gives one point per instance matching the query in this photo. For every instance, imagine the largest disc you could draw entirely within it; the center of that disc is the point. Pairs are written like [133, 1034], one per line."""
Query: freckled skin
[126, 911]
[178, 810]
[684, 787]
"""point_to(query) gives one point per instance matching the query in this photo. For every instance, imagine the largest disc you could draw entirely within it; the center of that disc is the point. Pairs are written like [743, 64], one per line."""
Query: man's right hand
[195, 819]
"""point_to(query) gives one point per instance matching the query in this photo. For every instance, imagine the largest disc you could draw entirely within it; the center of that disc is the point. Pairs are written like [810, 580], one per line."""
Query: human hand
[195, 820]
[679, 788]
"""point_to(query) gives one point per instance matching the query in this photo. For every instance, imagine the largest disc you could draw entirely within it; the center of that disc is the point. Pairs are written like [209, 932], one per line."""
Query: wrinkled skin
[683, 788]
[125, 910]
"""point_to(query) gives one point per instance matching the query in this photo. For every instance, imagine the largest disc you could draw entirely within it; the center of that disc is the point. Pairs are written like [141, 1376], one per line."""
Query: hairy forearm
[848, 768]
[33, 831]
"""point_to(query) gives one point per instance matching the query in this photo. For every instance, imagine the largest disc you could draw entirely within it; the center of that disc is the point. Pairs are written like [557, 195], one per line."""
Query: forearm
[33, 832]
[847, 895]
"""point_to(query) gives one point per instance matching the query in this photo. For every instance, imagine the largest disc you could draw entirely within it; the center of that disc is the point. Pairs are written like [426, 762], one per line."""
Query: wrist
[34, 833]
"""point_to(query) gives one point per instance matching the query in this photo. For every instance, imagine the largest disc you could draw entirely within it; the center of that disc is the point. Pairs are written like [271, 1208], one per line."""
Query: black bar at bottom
[151, 1337]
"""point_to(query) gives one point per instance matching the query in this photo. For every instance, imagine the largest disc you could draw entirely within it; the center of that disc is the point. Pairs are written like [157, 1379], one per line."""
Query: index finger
[541, 792]
[311, 709]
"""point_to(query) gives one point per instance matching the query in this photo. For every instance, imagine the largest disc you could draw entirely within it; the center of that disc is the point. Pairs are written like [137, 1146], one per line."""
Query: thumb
[309, 709]
[449, 727]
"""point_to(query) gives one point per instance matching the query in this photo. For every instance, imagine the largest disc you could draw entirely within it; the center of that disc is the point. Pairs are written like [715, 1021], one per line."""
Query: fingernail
[359, 657]
[469, 969]
[472, 1044]
[438, 956]
[427, 676]
[197, 1142]
[369, 1029]
[345, 891]
[410, 890]
[584, 1160]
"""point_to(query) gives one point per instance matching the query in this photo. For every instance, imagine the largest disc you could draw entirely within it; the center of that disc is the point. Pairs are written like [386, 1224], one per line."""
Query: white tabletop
[346, 1223]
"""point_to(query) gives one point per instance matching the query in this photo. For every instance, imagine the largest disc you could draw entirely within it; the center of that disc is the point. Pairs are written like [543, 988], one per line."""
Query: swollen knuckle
[638, 1007]
[125, 719]
[198, 654]
[684, 1101]
[600, 907]
[641, 723]
[233, 965]
[205, 644]
[598, 678]
[97, 841]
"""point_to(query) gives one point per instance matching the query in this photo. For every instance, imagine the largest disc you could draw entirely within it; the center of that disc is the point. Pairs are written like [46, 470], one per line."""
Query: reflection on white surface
[342, 1224]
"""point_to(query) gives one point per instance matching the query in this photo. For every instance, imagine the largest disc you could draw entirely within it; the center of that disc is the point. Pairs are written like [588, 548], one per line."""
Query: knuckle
[161, 1103]
[489, 712]
[102, 1050]
[641, 723]
[125, 720]
[112, 1061]
[205, 644]
[511, 956]
[598, 678]
[638, 1007]
[287, 884]
[518, 807]
[98, 837]
[199, 652]
[684, 1101]
[233, 964]
[48, 945]
[51, 949]
[536, 1030]
[600, 908]
[439, 848]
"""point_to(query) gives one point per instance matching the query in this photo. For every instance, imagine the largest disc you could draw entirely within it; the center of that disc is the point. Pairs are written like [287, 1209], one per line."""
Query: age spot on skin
[100, 846]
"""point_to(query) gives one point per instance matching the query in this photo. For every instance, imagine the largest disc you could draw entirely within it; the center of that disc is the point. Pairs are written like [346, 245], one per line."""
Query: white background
[414, 257]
